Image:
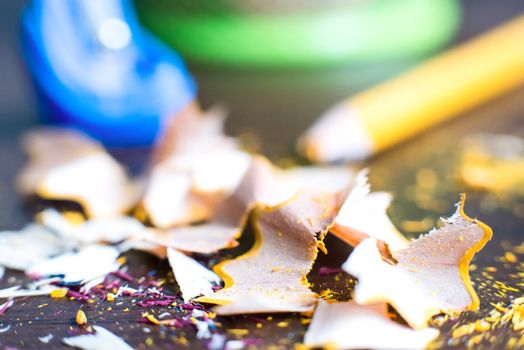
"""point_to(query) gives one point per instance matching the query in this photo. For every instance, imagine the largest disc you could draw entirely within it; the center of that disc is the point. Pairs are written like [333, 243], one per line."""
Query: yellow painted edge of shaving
[468, 256]
[43, 192]
[219, 268]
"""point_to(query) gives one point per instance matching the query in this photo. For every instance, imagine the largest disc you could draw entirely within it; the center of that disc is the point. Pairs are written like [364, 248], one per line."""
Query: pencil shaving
[432, 270]
[196, 166]
[66, 165]
[347, 325]
[260, 186]
[79, 267]
[271, 277]
[194, 279]
[101, 339]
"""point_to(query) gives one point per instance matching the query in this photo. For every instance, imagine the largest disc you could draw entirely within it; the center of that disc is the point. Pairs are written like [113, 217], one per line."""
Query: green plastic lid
[300, 32]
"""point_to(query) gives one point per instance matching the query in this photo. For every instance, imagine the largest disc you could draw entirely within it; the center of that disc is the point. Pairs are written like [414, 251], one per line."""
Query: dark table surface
[275, 107]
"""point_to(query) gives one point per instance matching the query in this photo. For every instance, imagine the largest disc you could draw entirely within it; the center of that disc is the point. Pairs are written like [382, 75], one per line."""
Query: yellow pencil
[440, 88]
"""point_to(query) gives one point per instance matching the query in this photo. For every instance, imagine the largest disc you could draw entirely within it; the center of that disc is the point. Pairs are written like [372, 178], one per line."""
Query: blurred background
[275, 65]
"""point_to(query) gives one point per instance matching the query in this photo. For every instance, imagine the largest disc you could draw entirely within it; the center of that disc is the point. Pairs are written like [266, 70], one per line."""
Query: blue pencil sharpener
[97, 70]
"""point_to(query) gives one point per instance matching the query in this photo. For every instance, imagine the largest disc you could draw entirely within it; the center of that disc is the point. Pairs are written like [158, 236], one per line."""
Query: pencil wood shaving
[271, 277]
[260, 186]
[197, 166]
[432, 270]
[193, 279]
[324, 179]
[365, 212]
[77, 268]
[66, 165]
[348, 325]
[169, 201]
[102, 339]
[18, 292]
[97, 230]
[21, 249]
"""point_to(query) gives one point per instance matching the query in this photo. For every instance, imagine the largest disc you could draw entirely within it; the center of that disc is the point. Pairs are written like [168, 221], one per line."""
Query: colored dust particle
[201, 194]
[58, 293]
[81, 318]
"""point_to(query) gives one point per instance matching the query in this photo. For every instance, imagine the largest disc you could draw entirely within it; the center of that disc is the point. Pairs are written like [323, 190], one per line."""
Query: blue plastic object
[97, 70]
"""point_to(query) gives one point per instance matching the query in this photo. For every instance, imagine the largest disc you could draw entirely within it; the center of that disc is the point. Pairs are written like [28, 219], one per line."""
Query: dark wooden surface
[275, 107]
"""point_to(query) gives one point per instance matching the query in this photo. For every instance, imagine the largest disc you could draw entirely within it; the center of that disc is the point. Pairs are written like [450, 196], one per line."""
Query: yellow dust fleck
[510, 257]
[259, 325]
[327, 294]
[238, 331]
[109, 308]
[42, 305]
[81, 318]
[58, 293]
[305, 321]
[500, 285]
[275, 269]
[91, 301]
[282, 324]
[126, 309]
[322, 247]
[110, 297]
[300, 346]
[499, 307]
[475, 340]
[151, 318]
[482, 325]
[149, 341]
[491, 269]
[121, 260]
[463, 330]
[183, 340]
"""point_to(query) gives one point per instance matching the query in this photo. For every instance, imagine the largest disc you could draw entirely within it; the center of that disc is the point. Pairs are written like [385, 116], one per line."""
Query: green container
[265, 33]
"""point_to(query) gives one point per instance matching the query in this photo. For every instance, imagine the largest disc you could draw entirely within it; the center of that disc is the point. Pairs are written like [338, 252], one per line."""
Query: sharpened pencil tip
[336, 136]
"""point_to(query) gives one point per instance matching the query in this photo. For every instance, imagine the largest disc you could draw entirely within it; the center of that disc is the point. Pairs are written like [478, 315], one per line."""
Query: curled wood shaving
[431, 275]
